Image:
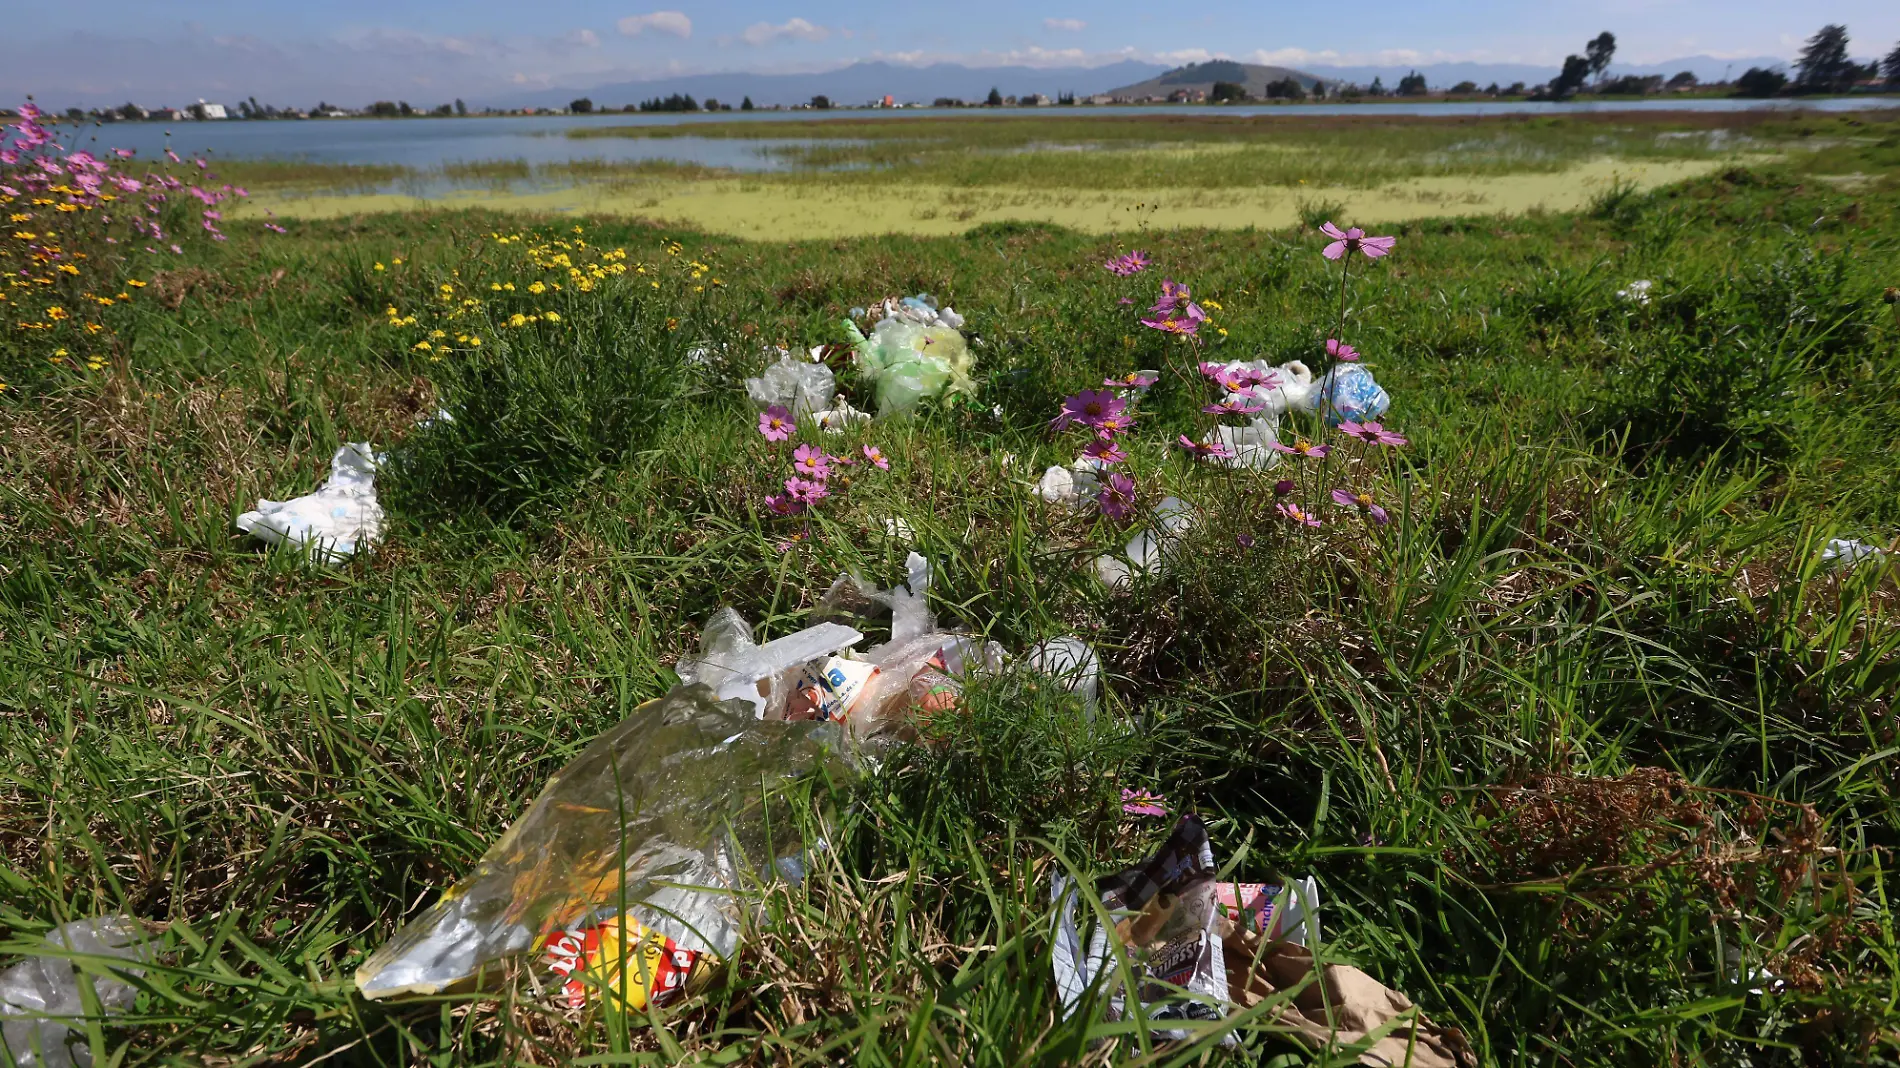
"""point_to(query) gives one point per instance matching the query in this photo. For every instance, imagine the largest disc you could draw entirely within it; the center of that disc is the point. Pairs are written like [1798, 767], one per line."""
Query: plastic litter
[1070, 662]
[1072, 486]
[37, 992]
[335, 521]
[1349, 393]
[804, 387]
[914, 352]
[735, 667]
[883, 702]
[1148, 549]
[1636, 292]
[1849, 552]
[662, 813]
[1199, 948]
[840, 416]
[1249, 446]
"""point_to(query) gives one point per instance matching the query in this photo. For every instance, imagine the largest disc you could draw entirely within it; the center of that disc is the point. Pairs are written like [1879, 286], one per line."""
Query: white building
[209, 111]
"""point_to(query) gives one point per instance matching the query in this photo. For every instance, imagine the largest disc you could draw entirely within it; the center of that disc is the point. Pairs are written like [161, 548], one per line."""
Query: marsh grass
[1579, 744]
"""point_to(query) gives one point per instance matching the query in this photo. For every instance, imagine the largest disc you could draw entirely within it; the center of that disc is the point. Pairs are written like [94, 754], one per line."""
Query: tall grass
[1578, 748]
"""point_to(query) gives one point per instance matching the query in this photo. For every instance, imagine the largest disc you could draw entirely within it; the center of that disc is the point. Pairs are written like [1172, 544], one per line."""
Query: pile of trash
[915, 351]
[1197, 948]
[627, 873]
[333, 523]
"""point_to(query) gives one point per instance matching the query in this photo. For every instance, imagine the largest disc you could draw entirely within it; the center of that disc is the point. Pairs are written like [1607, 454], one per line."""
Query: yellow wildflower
[67, 207]
[378, 267]
[56, 313]
[537, 289]
[475, 341]
[135, 283]
[552, 317]
[437, 334]
[67, 268]
[25, 235]
[423, 346]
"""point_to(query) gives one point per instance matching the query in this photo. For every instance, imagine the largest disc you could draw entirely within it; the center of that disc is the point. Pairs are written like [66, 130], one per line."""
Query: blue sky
[350, 51]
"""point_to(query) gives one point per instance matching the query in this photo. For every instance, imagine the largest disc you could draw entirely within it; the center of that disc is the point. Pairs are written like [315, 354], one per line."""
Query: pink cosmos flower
[1183, 327]
[1126, 300]
[173, 156]
[1143, 803]
[1234, 404]
[209, 214]
[1346, 242]
[1340, 350]
[1110, 425]
[1302, 447]
[1089, 408]
[1363, 502]
[1105, 450]
[176, 251]
[775, 423]
[877, 457]
[1131, 264]
[9, 157]
[1202, 450]
[805, 491]
[127, 185]
[1117, 498]
[783, 505]
[125, 153]
[1174, 297]
[31, 112]
[1133, 380]
[1372, 432]
[811, 461]
[1297, 515]
[273, 227]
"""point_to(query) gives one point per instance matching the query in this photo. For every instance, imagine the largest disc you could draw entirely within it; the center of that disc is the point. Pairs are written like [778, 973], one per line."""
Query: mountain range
[873, 80]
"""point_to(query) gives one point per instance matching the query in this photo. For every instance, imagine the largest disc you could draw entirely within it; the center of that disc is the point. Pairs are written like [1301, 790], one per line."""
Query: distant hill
[855, 84]
[1200, 77]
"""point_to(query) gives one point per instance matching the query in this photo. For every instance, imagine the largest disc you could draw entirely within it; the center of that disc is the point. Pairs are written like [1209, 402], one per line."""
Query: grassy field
[1580, 746]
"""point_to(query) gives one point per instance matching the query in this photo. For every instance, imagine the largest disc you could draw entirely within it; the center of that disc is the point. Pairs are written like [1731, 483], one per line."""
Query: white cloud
[763, 33]
[669, 22]
[584, 39]
[1064, 24]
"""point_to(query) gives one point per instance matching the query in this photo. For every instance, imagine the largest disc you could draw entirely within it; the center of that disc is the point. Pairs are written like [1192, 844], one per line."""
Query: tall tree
[1824, 65]
[1891, 66]
[1576, 71]
[995, 98]
[460, 108]
[1598, 52]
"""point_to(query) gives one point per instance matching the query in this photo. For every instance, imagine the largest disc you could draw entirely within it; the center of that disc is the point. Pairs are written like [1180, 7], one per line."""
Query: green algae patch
[792, 209]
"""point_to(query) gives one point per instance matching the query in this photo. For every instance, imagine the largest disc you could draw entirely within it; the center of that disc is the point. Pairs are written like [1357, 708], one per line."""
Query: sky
[349, 52]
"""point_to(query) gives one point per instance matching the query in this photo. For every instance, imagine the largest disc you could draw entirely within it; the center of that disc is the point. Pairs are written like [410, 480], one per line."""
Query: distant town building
[204, 110]
[1036, 100]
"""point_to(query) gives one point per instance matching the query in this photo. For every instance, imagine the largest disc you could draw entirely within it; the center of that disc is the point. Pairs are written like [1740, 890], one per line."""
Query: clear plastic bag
[803, 387]
[657, 823]
[40, 997]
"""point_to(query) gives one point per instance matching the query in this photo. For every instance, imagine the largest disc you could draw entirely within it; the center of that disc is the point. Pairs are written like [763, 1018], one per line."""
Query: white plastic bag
[335, 521]
[802, 387]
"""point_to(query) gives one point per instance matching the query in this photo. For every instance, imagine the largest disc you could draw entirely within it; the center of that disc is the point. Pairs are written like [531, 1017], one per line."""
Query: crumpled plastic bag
[1147, 551]
[908, 361]
[334, 522]
[1165, 918]
[920, 310]
[662, 815]
[37, 992]
[1072, 664]
[884, 681]
[735, 667]
[1348, 393]
[1200, 948]
[804, 387]
[1849, 552]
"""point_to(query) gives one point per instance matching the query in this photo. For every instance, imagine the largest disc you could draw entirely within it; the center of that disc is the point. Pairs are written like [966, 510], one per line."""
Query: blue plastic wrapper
[1348, 393]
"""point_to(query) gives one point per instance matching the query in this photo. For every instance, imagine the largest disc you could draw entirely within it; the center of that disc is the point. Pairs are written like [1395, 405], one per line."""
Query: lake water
[425, 143]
